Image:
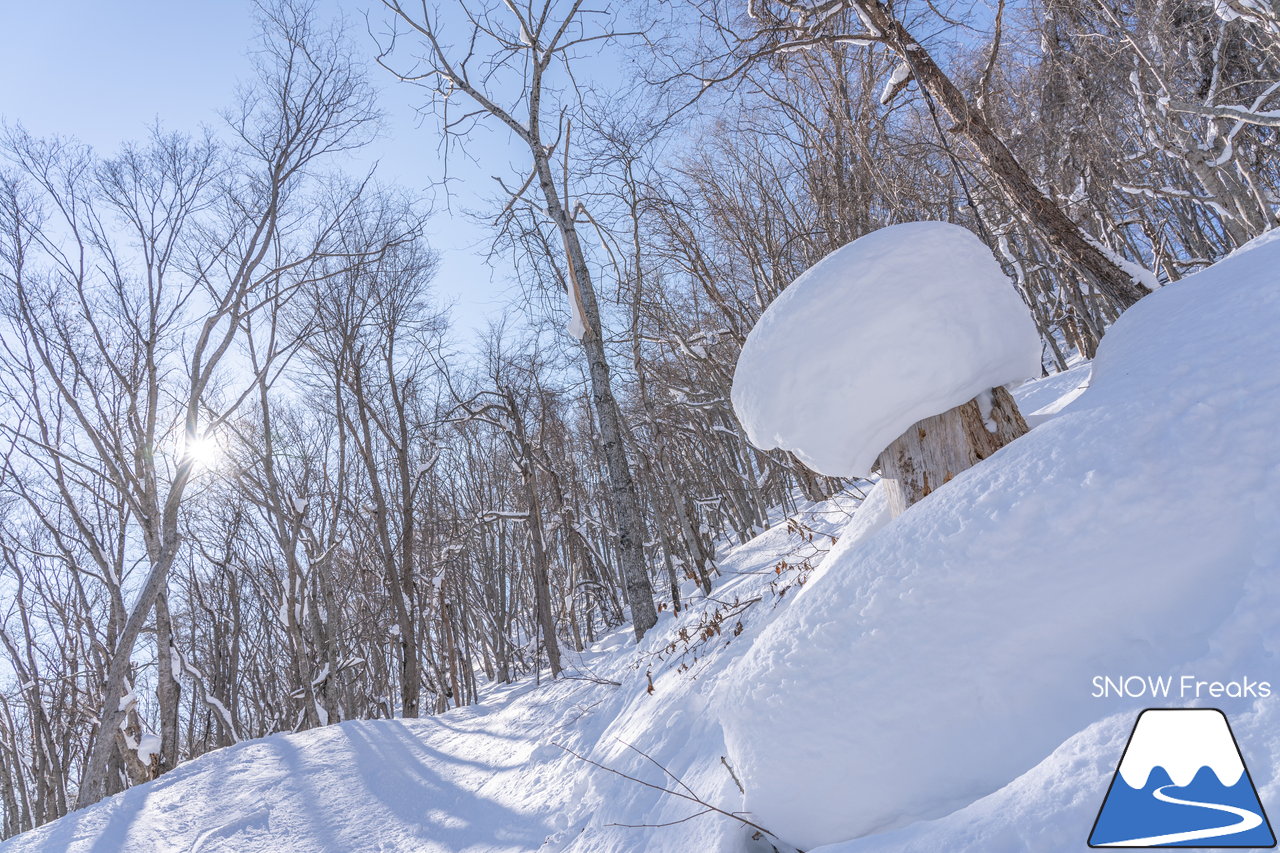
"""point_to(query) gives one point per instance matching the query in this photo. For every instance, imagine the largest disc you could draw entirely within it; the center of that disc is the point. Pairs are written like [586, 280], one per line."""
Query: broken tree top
[901, 324]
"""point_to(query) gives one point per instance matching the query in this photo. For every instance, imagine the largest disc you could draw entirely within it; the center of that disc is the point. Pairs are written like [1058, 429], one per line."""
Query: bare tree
[780, 26]
[369, 339]
[513, 49]
[131, 297]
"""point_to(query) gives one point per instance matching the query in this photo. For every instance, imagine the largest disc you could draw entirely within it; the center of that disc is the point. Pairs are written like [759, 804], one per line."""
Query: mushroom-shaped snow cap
[901, 324]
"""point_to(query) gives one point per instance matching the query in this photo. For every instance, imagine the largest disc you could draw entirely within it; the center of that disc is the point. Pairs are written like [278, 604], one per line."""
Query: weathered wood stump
[937, 448]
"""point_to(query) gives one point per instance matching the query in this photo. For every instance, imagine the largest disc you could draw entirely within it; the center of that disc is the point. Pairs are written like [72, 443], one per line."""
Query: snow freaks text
[1177, 687]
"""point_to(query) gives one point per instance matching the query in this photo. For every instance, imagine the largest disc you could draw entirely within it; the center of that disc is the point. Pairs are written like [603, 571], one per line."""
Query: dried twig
[686, 794]
[732, 775]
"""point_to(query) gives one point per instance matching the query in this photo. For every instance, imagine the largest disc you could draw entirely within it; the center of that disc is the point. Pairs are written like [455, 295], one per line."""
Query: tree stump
[937, 448]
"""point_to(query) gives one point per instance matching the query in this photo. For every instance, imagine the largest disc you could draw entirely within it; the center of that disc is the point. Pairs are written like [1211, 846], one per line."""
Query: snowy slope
[493, 777]
[1135, 533]
[384, 785]
[1136, 527]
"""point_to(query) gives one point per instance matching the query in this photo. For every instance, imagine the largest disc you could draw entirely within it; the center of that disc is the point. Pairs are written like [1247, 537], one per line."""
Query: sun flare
[203, 452]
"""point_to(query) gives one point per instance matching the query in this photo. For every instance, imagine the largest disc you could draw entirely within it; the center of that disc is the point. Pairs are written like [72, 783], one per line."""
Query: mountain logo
[1182, 782]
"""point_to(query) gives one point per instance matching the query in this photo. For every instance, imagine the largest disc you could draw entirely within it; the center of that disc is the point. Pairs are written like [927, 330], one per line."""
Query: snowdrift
[955, 649]
[927, 687]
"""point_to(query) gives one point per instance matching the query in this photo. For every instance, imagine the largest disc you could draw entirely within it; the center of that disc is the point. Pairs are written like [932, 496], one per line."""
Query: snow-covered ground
[928, 687]
[499, 775]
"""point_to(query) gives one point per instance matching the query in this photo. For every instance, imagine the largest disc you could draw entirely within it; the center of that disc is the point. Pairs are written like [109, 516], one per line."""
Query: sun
[203, 452]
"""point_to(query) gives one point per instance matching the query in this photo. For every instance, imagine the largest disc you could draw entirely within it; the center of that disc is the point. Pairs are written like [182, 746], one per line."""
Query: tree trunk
[93, 784]
[937, 448]
[626, 503]
[168, 691]
[541, 572]
[1059, 230]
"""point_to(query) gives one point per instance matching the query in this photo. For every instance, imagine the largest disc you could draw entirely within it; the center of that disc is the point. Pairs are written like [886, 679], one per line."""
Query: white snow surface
[901, 324]
[148, 747]
[902, 72]
[576, 325]
[1131, 532]
[1135, 532]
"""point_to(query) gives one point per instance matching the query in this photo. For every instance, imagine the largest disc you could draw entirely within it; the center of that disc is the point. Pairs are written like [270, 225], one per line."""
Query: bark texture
[937, 448]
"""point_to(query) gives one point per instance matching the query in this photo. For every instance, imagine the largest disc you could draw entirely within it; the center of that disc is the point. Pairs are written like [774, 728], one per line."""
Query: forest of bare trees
[251, 481]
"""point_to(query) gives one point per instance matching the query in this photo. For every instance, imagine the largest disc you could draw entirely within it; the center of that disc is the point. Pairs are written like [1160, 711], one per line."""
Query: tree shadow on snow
[401, 771]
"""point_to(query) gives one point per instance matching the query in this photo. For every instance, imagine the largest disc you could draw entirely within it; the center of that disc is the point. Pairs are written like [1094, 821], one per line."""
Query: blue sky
[103, 70]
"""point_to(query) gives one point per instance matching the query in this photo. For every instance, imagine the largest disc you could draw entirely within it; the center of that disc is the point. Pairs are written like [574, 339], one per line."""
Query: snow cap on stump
[901, 324]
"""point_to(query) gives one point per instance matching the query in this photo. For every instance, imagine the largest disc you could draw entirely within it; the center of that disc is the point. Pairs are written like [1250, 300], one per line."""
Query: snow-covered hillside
[927, 687]
[496, 776]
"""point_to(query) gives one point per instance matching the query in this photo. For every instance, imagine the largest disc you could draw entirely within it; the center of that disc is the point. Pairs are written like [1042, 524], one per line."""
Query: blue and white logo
[1182, 783]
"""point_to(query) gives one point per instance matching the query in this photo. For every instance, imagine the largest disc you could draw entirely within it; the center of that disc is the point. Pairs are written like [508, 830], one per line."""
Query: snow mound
[1050, 808]
[901, 324]
[1053, 806]
[949, 653]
